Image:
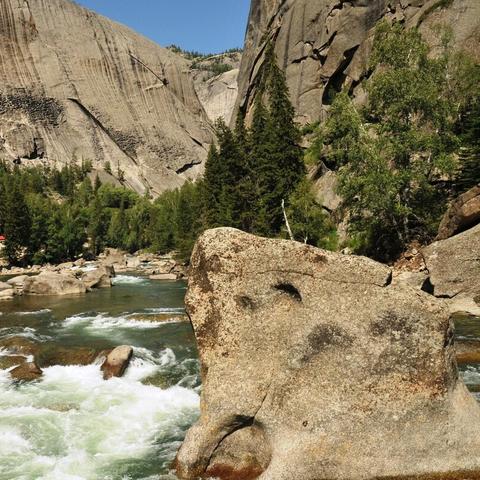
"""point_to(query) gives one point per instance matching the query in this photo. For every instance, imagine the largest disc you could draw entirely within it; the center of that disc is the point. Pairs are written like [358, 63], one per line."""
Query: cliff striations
[324, 45]
[75, 84]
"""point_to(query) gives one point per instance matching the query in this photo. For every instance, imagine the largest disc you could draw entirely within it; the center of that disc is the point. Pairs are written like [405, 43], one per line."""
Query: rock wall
[316, 366]
[324, 45]
[75, 84]
[218, 93]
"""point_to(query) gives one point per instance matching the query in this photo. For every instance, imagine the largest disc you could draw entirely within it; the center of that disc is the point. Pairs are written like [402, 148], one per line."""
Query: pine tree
[281, 165]
[16, 224]
[469, 175]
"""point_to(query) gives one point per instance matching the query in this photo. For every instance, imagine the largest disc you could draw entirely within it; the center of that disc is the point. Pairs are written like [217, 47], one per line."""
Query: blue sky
[207, 26]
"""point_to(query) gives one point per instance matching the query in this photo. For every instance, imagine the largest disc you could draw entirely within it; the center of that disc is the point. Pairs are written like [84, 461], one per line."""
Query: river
[73, 425]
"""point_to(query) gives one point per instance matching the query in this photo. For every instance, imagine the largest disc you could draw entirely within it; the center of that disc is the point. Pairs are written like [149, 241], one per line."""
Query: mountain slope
[75, 84]
[324, 45]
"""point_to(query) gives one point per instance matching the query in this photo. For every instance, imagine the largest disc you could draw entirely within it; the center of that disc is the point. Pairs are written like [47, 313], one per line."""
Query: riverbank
[81, 276]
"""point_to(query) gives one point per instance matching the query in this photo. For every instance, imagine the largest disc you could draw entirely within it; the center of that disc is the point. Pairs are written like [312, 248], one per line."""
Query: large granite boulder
[454, 268]
[315, 366]
[462, 214]
[99, 278]
[50, 283]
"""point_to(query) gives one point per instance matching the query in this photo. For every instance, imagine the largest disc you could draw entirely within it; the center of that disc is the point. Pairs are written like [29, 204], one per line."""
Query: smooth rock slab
[333, 371]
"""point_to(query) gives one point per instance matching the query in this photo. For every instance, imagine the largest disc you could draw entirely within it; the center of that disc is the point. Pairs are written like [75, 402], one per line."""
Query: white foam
[102, 322]
[35, 312]
[160, 310]
[72, 424]
[128, 280]
[471, 375]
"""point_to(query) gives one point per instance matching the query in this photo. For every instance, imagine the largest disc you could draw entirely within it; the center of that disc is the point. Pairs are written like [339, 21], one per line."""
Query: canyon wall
[324, 45]
[74, 84]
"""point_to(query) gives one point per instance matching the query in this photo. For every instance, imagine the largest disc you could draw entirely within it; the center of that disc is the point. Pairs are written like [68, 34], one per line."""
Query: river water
[73, 425]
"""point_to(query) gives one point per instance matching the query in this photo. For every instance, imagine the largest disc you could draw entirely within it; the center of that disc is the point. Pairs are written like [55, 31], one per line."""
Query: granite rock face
[75, 84]
[314, 365]
[462, 214]
[324, 45]
[217, 93]
[454, 269]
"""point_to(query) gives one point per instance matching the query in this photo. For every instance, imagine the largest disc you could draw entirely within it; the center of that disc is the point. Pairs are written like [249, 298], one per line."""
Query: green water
[71, 424]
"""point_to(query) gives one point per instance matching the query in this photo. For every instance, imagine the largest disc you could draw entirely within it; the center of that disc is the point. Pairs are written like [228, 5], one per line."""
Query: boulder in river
[50, 283]
[117, 362]
[99, 278]
[454, 268]
[334, 371]
[18, 282]
[7, 294]
[27, 371]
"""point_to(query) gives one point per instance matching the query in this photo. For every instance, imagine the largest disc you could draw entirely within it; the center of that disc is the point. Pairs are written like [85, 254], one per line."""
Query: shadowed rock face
[324, 45]
[315, 366]
[75, 83]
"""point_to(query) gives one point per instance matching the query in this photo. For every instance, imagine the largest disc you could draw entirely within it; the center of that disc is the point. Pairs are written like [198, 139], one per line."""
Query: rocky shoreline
[81, 276]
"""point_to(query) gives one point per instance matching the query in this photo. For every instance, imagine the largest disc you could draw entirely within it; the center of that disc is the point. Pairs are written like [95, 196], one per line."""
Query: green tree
[16, 224]
[308, 221]
[392, 155]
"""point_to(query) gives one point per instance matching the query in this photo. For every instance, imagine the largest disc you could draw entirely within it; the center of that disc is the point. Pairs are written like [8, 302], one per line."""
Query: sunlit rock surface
[75, 84]
[315, 365]
[324, 45]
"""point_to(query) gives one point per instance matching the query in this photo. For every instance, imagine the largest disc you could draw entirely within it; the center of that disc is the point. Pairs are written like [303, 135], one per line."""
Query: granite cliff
[74, 84]
[324, 45]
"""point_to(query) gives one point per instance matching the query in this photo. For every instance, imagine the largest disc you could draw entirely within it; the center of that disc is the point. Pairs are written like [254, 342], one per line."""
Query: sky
[207, 26]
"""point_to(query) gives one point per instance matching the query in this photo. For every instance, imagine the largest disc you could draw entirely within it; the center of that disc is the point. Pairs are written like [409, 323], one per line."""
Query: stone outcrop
[75, 84]
[117, 362]
[454, 270]
[217, 93]
[314, 365]
[464, 213]
[99, 278]
[50, 283]
[27, 371]
[324, 46]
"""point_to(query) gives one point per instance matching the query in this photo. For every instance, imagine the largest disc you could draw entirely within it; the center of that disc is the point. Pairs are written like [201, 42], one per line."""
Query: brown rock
[20, 345]
[328, 361]
[464, 213]
[9, 361]
[117, 362]
[50, 355]
[468, 351]
[50, 283]
[28, 371]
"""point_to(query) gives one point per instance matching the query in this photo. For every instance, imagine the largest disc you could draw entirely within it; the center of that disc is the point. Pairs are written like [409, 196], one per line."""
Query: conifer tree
[16, 224]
